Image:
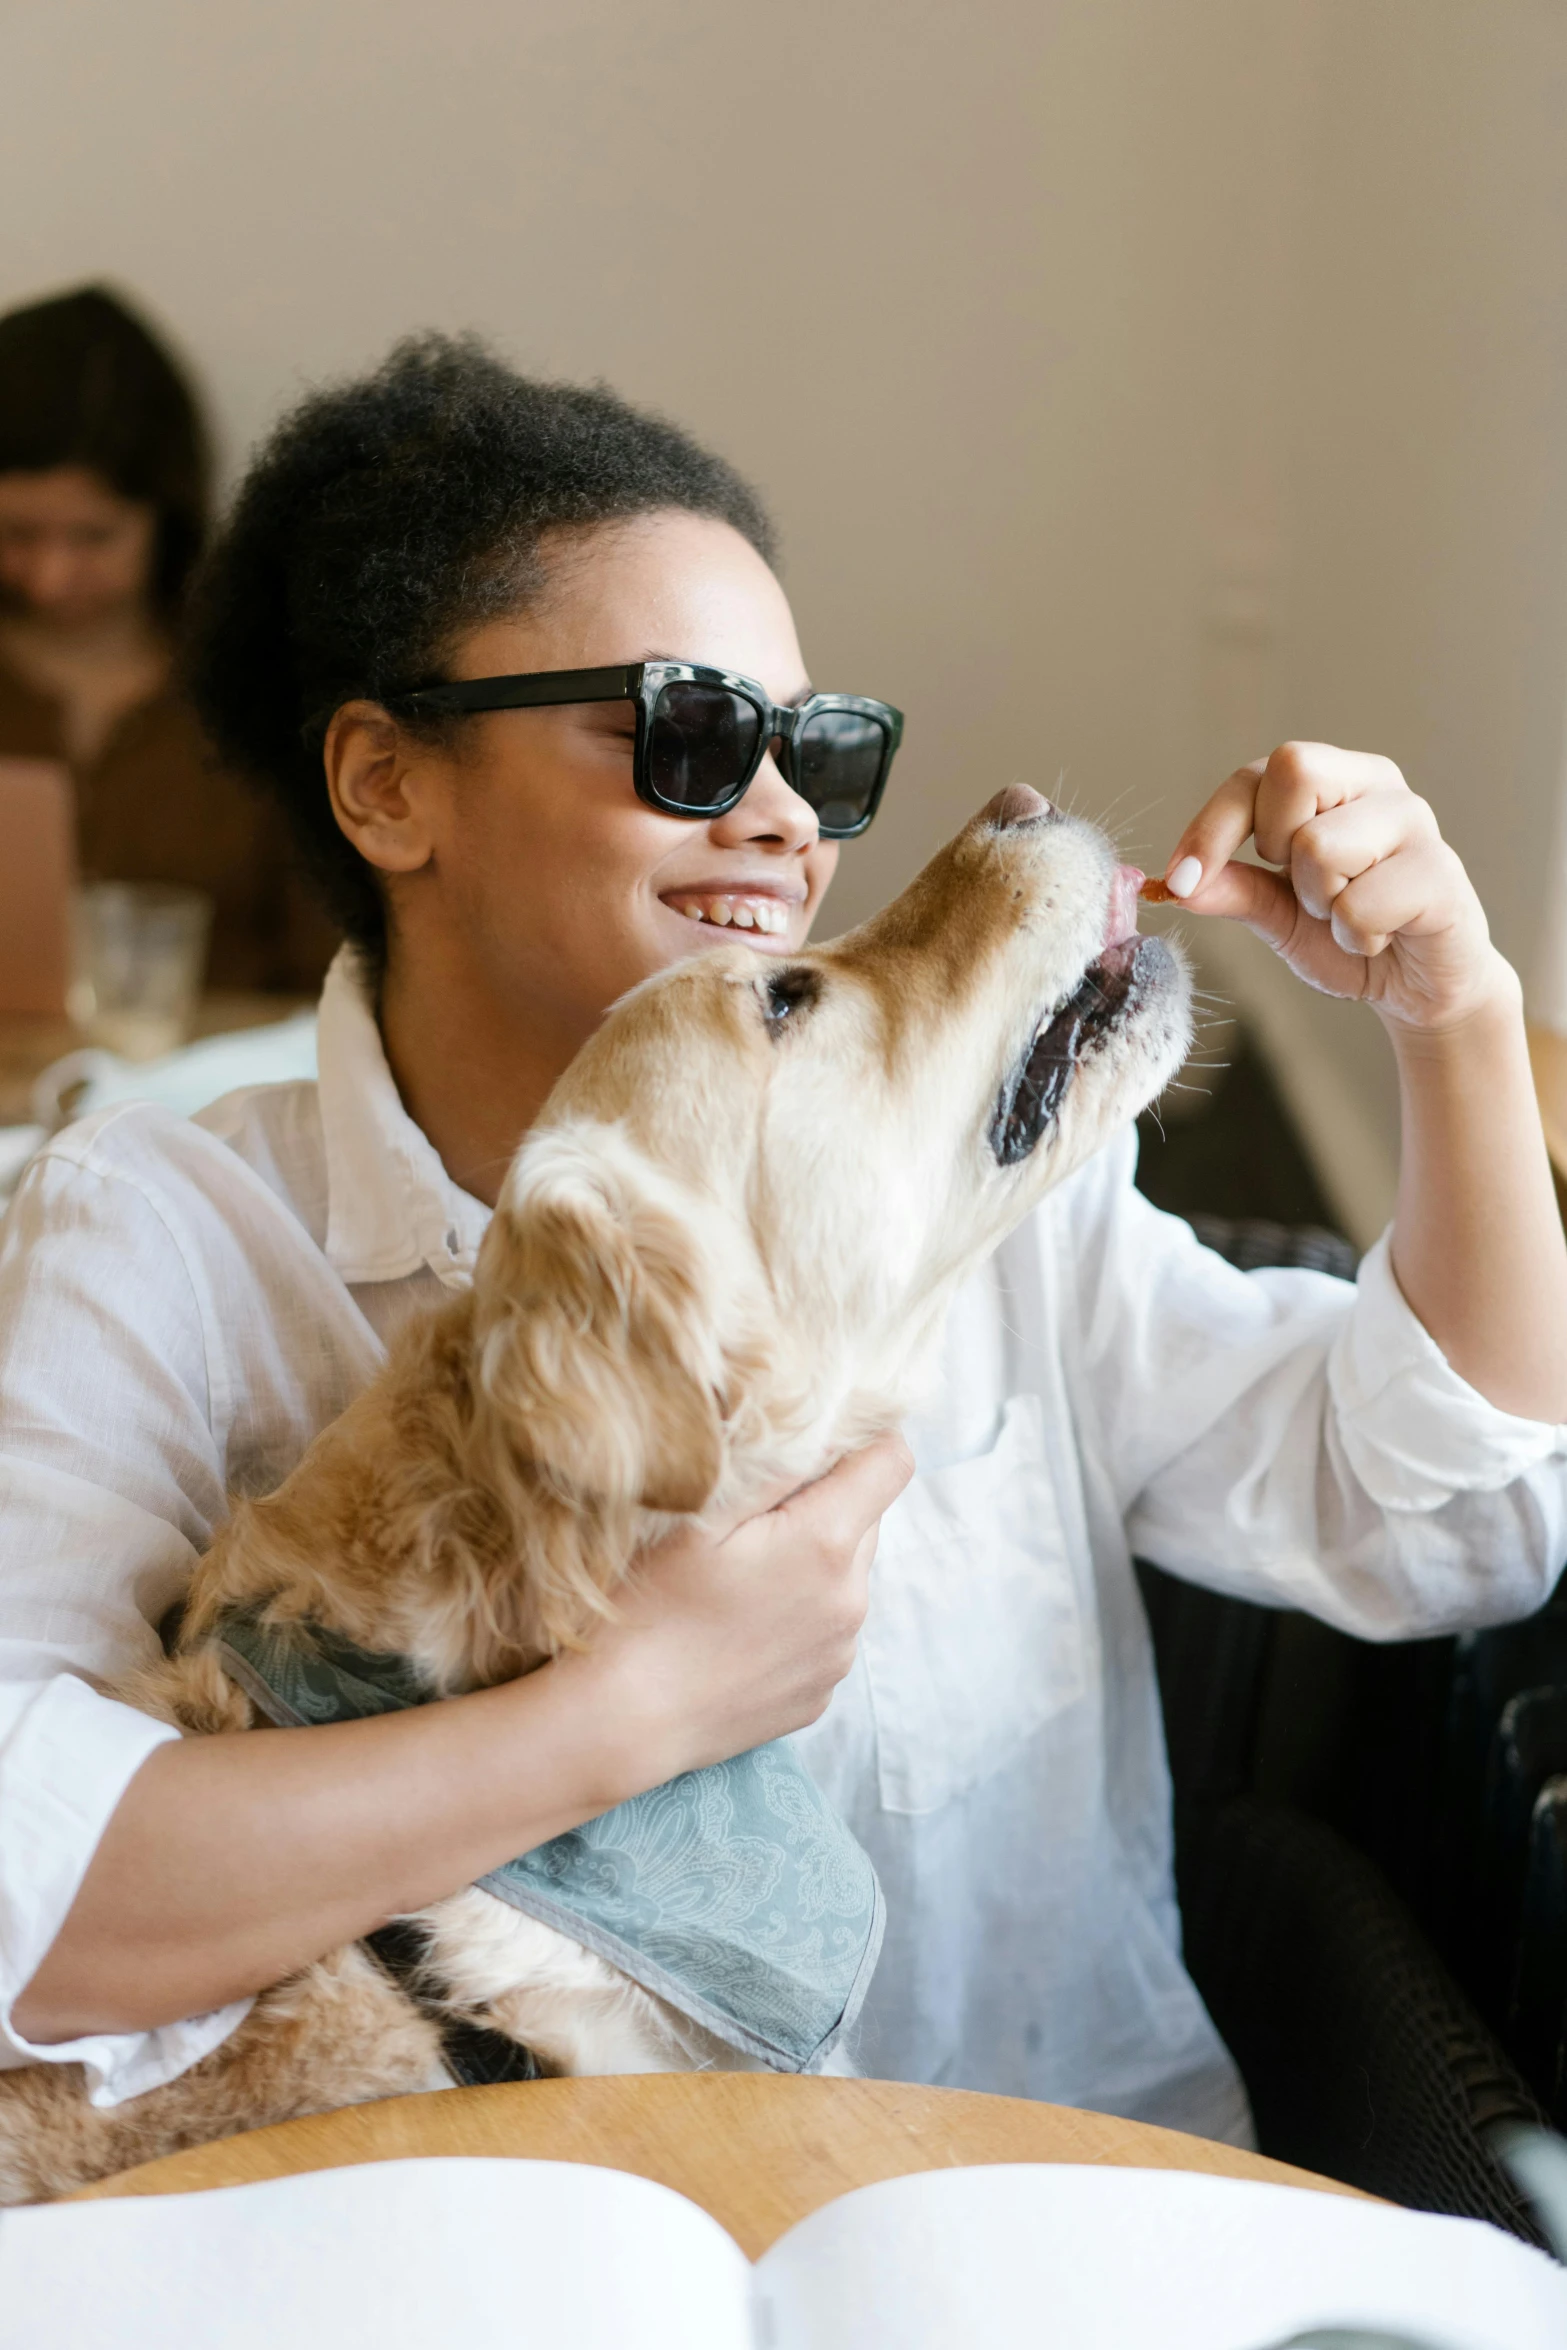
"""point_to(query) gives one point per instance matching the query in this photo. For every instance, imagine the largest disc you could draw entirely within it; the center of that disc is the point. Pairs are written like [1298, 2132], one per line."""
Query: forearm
[1477, 1237]
[232, 1861]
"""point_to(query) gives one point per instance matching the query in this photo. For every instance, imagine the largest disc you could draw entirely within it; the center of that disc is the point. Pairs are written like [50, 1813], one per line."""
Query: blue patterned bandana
[734, 1893]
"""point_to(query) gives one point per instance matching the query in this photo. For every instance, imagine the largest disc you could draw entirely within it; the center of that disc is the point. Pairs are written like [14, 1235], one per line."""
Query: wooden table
[27, 1047]
[757, 2150]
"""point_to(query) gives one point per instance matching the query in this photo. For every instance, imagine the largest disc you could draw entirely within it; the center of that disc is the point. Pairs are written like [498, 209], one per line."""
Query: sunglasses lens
[701, 741]
[839, 756]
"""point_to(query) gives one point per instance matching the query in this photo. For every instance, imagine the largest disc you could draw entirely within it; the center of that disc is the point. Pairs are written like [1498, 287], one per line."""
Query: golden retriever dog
[720, 1260]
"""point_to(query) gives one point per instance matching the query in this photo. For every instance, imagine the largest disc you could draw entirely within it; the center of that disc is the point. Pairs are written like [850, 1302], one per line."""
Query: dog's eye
[788, 992]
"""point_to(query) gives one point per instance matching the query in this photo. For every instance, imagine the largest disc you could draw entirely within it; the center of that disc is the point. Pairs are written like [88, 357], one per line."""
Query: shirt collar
[391, 1206]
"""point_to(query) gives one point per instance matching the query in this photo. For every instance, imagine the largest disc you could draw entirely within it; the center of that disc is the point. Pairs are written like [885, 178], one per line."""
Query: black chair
[1539, 1994]
[1504, 1741]
[1361, 2056]
[1311, 1775]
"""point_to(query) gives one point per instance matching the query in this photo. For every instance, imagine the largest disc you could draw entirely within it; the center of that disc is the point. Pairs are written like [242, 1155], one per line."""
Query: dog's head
[728, 1245]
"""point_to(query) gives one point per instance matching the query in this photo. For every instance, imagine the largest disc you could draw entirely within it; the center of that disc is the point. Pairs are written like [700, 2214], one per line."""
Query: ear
[374, 789]
[597, 1338]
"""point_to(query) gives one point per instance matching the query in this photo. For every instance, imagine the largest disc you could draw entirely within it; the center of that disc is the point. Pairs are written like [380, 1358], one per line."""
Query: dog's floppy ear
[597, 1339]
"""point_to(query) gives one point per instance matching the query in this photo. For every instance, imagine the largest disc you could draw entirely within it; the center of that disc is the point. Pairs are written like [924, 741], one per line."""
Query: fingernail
[1183, 878]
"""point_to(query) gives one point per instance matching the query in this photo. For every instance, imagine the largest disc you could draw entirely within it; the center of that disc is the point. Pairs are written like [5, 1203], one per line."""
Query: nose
[1018, 804]
[771, 813]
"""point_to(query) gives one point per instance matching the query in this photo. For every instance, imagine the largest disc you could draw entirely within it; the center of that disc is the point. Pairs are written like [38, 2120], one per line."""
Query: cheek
[553, 859]
[127, 572]
[125, 566]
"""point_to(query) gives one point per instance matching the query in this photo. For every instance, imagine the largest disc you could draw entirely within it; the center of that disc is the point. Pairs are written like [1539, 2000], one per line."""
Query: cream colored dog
[721, 1260]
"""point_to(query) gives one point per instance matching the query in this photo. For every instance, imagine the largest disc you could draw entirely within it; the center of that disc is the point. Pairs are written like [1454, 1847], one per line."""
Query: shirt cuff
[1415, 1433]
[67, 1756]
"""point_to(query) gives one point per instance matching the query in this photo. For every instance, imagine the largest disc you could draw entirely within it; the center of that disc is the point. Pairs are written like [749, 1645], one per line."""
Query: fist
[1368, 899]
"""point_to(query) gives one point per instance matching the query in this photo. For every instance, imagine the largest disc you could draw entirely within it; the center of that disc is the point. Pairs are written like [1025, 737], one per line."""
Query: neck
[473, 1072]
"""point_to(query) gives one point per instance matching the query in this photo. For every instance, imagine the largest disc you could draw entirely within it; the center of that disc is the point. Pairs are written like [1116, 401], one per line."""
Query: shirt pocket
[975, 1634]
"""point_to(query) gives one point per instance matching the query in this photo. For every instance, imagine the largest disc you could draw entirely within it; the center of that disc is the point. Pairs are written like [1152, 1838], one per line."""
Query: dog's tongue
[1122, 922]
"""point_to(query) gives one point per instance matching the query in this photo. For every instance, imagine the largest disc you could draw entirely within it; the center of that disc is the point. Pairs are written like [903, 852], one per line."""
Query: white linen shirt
[184, 1304]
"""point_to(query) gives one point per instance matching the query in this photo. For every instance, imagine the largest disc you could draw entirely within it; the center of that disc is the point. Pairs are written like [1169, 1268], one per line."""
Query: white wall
[1424, 611]
[1130, 376]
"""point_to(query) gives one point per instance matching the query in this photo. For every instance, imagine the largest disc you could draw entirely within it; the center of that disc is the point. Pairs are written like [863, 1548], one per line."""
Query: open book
[480, 2254]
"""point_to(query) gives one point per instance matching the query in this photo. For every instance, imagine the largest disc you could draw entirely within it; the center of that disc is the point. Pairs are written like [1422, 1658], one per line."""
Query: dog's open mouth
[1034, 1091]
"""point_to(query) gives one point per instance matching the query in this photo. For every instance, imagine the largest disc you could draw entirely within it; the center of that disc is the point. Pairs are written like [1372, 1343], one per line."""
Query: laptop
[37, 876]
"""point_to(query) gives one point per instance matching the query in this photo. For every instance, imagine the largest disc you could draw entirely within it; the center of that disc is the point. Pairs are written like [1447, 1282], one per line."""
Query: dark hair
[84, 382]
[383, 519]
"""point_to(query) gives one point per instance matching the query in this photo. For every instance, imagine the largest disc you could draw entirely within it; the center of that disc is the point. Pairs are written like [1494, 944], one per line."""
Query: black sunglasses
[703, 733]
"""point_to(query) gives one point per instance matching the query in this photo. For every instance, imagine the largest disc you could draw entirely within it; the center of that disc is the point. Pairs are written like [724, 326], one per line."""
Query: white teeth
[754, 914]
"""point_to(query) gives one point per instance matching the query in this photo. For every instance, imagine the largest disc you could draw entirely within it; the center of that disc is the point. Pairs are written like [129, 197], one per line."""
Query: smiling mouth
[736, 909]
[1035, 1090]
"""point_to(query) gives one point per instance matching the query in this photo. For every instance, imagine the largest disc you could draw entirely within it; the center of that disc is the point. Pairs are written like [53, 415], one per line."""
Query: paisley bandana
[735, 1893]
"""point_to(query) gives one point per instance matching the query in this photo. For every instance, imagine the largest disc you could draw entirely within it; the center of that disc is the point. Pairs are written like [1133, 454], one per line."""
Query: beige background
[1137, 381]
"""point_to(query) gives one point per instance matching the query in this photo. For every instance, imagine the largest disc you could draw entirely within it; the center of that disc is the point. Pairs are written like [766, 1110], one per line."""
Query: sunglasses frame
[642, 682]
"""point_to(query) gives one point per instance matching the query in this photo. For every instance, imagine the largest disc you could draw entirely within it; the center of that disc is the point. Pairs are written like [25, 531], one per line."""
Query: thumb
[853, 1494]
[1264, 901]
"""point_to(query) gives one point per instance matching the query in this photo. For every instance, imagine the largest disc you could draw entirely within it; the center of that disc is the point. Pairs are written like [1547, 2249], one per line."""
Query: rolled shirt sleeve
[67, 1756]
[1290, 1438]
[1413, 1431]
[110, 1484]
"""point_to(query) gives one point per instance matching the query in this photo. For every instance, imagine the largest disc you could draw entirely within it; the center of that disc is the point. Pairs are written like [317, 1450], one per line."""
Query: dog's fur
[721, 1260]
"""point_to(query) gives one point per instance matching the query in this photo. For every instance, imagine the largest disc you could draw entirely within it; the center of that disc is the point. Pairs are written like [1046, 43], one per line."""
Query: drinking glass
[139, 958]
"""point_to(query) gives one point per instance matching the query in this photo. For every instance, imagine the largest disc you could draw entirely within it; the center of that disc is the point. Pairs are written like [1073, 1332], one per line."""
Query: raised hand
[1369, 901]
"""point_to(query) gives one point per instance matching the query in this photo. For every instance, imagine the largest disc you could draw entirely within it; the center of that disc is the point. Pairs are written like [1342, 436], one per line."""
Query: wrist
[620, 1737]
[1489, 1018]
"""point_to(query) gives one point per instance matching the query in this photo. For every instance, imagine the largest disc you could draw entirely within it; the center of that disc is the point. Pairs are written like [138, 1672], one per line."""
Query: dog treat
[1158, 893]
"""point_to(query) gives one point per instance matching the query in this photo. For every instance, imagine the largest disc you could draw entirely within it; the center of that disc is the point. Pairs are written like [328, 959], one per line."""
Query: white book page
[1062, 2258]
[481, 2255]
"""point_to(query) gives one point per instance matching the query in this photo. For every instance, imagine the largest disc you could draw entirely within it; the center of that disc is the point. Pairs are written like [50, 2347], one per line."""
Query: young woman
[182, 1306]
[103, 509]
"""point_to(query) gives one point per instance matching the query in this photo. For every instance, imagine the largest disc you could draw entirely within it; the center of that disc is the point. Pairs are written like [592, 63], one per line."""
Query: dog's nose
[1018, 804]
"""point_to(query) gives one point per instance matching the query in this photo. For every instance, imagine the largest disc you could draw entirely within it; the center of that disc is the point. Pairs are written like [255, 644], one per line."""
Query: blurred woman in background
[103, 509]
